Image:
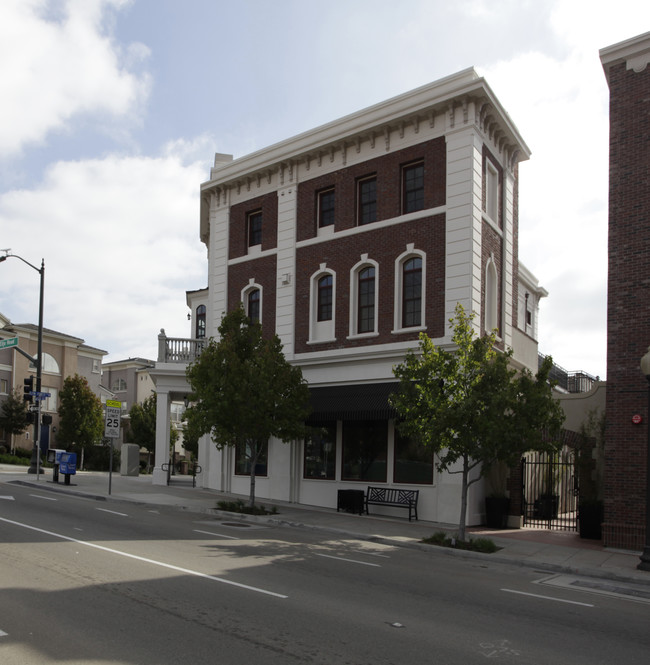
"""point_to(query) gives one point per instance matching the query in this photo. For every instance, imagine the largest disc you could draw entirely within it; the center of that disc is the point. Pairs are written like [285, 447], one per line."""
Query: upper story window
[200, 321]
[325, 298]
[253, 302]
[367, 201]
[491, 299]
[322, 310]
[412, 293]
[492, 192]
[119, 385]
[254, 228]
[366, 300]
[325, 204]
[413, 187]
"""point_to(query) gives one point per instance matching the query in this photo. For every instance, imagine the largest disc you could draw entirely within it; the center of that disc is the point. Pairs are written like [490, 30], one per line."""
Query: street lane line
[169, 566]
[112, 512]
[3, 634]
[220, 535]
[45, 498]
[558, 600]
[10, 498]
[340, 558]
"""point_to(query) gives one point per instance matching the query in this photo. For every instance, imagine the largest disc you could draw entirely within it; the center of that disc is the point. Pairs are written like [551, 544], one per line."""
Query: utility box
[130, 460]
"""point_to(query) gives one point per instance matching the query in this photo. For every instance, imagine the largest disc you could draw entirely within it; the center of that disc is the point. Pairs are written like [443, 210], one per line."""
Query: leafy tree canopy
[142, 423]
[80, 414]
[471, 407]
[245, 391]
[13, 414]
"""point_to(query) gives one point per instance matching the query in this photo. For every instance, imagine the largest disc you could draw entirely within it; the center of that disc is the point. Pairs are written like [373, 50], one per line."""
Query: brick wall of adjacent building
[628, 308]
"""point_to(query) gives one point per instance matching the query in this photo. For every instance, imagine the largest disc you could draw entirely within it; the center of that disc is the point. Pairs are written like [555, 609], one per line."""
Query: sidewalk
[552, 551]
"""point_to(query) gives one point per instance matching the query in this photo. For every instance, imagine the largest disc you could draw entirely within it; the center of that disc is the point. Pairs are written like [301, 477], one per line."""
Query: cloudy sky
[112, 111]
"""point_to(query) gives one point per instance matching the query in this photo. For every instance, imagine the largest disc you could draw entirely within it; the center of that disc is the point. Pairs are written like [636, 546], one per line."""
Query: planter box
[590, 519]
[496, 511]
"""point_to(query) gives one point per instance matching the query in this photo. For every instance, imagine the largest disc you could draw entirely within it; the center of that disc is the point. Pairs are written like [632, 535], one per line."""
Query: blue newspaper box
[68, 463]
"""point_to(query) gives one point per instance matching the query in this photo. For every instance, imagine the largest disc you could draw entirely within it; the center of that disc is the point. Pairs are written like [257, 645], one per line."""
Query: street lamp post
[34, 466]
[645, 556]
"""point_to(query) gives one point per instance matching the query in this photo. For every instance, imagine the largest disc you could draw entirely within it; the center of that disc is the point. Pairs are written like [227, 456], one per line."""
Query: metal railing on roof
[572, 382]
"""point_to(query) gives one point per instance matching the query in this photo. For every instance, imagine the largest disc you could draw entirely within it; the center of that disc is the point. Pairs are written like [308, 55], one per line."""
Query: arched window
[325, 302]
[50, 365]
[491, 299]
[366, 301]
[363, 297]
[200, 322]
[253, 305]
[412, 293]
[322, 305]
[410, 284]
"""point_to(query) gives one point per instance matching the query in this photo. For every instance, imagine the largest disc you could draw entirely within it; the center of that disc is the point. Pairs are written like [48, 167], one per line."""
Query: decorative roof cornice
[634, 52]
[377, 124]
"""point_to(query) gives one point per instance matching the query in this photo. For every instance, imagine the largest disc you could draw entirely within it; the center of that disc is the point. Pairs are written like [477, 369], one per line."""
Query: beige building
[63, 355]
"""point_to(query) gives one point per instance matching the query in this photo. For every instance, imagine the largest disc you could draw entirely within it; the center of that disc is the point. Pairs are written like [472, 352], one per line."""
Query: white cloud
[120, 241]
[55, 68]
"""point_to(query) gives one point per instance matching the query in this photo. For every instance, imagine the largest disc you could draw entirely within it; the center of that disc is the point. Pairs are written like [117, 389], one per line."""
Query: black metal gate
[550, 490]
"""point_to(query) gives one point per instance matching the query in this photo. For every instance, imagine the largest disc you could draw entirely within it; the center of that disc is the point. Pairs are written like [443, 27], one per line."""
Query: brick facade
[628, 308]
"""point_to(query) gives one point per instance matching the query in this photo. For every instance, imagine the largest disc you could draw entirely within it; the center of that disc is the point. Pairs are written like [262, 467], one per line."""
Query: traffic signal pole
[35, 462]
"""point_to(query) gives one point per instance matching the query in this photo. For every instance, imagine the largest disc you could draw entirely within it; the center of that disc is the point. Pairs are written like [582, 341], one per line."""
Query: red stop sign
[637, 419]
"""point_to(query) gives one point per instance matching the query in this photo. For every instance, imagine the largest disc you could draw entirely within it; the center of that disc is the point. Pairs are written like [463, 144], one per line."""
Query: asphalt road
[88, 582]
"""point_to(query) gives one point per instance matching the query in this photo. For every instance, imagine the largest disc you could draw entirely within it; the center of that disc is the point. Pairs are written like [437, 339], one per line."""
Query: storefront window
[320, 452]
[365, 450]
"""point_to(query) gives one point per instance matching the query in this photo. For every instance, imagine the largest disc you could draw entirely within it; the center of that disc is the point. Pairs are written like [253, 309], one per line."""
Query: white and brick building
[348, 241]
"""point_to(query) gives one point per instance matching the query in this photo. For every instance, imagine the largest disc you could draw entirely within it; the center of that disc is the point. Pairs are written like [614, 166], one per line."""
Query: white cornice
[373, 123]
[635, 52]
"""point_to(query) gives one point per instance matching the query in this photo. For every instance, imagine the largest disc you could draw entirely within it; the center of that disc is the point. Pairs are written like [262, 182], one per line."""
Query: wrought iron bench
[396, 498]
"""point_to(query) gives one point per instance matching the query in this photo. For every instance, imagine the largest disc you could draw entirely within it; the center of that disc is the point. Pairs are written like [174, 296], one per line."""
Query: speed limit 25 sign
[112, 424]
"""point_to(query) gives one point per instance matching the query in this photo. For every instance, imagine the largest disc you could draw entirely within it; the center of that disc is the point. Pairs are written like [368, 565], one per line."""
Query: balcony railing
[178, 350]
[572, 382]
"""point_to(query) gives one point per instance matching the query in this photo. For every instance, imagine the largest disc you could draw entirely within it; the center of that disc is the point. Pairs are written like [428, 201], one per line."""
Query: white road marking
[9, 498]
[340, 558]
[558, 600]
[112, 512]
[220, 535]
[3, 634]
[169, 566]
[45, 498]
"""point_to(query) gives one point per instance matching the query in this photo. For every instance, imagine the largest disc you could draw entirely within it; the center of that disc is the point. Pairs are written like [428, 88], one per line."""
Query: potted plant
[497, 503]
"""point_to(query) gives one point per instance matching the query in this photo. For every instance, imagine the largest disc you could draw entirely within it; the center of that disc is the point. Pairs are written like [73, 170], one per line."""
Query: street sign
[40, 396]
[9, 342]
[112, 423]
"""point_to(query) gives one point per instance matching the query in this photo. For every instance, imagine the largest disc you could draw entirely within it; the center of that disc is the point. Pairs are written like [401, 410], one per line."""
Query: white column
[463, 244]
[286, 278]
[162, 437]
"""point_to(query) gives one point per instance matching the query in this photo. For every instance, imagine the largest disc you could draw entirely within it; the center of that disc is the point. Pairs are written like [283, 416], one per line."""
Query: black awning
[368, 401]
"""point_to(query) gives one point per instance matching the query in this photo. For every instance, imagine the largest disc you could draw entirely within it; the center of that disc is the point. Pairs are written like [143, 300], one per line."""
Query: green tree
[142, 424]
[81, 421]
[472, 408]
[246, 392]
[13, 414]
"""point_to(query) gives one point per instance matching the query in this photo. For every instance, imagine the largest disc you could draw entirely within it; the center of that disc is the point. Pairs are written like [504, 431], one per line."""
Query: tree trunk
[463, 499]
